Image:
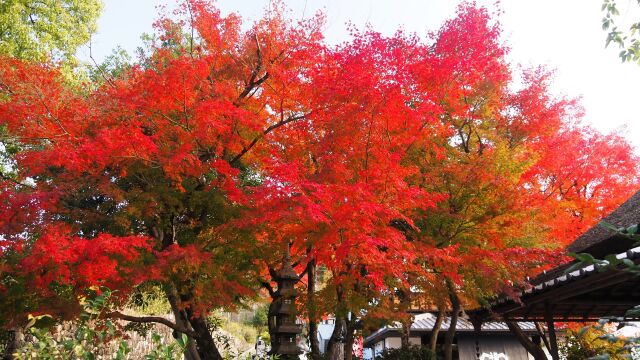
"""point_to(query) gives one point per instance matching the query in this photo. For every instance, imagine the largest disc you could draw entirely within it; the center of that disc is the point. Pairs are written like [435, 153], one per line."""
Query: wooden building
[586, 294]
[493, 341]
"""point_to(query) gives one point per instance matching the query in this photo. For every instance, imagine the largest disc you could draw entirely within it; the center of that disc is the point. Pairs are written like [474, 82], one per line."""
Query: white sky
[565, 35]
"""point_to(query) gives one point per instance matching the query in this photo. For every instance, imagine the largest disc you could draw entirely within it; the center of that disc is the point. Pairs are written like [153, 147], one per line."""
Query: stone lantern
[282, 314]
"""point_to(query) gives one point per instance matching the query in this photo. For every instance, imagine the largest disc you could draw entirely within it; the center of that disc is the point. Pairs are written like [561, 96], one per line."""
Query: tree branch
[265, 132]
[265, 284]
[304, 272]
[4, 176]
[152, 319]
[192, 29]
[272, 272]
[253, 83]
[543, 336]
[100, 70]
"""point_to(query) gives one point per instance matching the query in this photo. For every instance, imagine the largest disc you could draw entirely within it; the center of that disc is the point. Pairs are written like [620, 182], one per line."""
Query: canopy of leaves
[393, 162]
[49, 29]
[626, 36]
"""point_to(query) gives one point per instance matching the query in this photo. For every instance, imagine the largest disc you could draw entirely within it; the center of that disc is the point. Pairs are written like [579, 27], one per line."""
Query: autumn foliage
[392, 162]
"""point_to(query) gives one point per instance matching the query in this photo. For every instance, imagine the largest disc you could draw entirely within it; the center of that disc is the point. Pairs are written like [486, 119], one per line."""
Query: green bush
[593, 343]
[149, 300]
[266, 337]
[413, 352]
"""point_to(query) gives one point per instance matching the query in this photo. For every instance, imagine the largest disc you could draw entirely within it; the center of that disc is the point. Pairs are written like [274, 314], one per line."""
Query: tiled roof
[593, 240]
[565, 278]
[425, 322]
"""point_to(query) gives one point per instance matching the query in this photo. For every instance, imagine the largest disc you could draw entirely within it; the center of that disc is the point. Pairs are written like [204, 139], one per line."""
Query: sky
[564, 35]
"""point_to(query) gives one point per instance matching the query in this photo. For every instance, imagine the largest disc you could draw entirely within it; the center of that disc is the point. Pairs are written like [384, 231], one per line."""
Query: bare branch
[304, 272]
[272, 272]
[540, 331]
[95, 63]
[265, 284]
[253, 83]
[192, 29]
[152, 319]
[265, 132]
[4, 176]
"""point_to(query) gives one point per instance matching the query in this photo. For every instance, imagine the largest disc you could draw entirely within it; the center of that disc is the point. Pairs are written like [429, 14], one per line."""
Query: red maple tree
[393, 162]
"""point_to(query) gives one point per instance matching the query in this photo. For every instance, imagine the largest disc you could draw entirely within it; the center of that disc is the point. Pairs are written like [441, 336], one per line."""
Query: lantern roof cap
[287, 271]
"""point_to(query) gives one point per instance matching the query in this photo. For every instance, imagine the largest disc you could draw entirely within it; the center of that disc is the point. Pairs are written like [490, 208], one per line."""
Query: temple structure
[586, 294]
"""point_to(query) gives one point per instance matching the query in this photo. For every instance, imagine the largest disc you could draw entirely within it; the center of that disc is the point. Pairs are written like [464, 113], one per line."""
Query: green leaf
[584, 258]
[633, 313]
[605, 224]
[182, 341]
[44, 321]
[574, 267]
[612, 259]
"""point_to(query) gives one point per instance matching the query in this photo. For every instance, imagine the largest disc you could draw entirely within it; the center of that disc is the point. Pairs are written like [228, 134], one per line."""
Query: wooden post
[553, 341]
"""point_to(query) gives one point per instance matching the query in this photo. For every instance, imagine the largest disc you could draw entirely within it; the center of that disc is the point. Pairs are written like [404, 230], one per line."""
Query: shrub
[92, 331]
[241, 331]
[149, 300]
[592, 342]
[259, 319]
[413, 352]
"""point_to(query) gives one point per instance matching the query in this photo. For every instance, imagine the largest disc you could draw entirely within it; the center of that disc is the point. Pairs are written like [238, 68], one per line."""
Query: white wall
[396, 342]
[392, 343]
[388, 343]
[378, 347]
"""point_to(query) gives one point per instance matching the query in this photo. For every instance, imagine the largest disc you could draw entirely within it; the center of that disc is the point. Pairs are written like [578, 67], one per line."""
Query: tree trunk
[543, 336]
[313, 339]
[349, 338]
[191, 351]
[533, 349]
[207, 349]
[455, 311]
[275, 300]
[433, 343]
[205, 346]
[406, 332]
[14, 343]
[405, 324]
[180, 315]
[334, 346]
[311, 308]
[271, 325]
